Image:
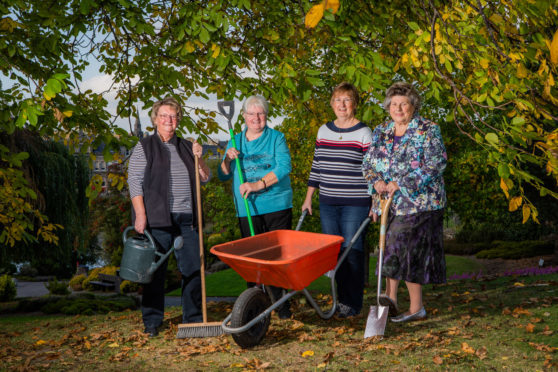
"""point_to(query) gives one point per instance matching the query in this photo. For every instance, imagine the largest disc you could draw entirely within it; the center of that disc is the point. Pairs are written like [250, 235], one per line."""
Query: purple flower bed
[535, 270]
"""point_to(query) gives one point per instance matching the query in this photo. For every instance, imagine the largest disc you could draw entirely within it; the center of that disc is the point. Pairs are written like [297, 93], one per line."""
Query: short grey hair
[258, 101]
[169, 101]
[403, 89]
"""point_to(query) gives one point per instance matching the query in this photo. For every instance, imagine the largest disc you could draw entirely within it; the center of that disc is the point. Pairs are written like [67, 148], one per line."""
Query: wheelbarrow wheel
[251, 303]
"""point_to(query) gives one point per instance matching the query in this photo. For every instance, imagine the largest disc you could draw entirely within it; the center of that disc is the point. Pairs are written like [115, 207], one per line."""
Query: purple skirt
[414, 248]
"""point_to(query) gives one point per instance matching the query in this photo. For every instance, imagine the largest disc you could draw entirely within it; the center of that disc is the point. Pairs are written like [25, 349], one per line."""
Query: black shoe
[284, 313]
[151, 331]
[345, 311]
[386, 301]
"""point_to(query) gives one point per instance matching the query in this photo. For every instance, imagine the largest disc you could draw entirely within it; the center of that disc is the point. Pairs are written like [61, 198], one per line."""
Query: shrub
[93, 276]
[7, 288]
[516, 250]
[57, 288]
[128, 287]
[76, 283]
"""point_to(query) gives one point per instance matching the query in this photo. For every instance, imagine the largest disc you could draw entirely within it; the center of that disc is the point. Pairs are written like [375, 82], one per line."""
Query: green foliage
[58, 180]
[7, 288]
[76, 283]
[516, 250]
[84, 304]
[488, 72]
[57, 288]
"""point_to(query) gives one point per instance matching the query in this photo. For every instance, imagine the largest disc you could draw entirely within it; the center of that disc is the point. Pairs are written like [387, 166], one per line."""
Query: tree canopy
[485, 69]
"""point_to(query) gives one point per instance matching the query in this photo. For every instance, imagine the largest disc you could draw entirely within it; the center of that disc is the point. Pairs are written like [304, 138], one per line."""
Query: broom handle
[200, 238]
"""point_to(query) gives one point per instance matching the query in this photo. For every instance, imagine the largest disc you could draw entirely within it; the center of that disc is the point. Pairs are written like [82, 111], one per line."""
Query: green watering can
[138, 259]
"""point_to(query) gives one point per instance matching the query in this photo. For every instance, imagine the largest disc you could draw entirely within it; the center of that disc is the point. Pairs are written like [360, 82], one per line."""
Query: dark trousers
[281, 220]
[153, 297]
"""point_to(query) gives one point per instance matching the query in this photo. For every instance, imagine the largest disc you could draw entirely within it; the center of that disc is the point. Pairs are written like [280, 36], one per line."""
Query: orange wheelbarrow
[289, 259]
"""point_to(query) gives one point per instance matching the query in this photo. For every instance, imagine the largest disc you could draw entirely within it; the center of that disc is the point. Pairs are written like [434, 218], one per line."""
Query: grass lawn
[504, 324]
[228, 283]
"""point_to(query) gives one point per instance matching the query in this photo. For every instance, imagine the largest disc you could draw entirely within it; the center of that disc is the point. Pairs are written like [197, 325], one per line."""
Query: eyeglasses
[344, 100]
[252, 114]
[167, 116]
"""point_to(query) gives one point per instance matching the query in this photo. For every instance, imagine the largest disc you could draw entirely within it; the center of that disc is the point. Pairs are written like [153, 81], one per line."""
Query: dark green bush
[57, 288]
[464, 249]
[7, 288]
[84, 303]
[516, 250]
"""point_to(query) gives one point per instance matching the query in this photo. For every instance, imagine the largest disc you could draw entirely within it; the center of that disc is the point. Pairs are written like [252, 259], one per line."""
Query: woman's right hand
[308, 206]
[381, 187]
[141, 223]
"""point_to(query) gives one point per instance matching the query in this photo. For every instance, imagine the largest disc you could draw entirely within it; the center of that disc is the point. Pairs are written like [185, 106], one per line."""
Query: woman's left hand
[197, 149]
[247, 187]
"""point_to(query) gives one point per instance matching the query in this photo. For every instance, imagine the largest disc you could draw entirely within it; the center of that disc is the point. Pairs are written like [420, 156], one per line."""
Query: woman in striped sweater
[344, 201]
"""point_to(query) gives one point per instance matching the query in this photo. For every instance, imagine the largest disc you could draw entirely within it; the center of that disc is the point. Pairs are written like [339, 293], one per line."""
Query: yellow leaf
[216, 50]
[554, 49]
[314, 15]
[114, 344]
[189, 47]
[526, 210]
[515, 203]
[518, 284]
[333, 5]
[504, 187]
[68, 114]
[484, 63]
[521, 71]
[307, 353]
[40, 342]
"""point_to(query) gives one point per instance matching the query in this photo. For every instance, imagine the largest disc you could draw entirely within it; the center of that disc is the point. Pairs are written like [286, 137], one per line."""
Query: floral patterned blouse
[416, 163]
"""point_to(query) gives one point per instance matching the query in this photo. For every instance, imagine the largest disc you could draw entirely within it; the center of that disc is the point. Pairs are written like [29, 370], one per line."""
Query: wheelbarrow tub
[283, 258]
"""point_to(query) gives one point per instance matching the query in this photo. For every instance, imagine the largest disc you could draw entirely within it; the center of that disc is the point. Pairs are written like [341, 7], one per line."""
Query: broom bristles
[199, 330]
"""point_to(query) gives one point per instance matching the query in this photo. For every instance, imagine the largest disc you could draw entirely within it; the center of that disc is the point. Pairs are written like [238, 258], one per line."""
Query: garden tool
[204, 329]
[230, 104]
[138, 258]
[377, 317]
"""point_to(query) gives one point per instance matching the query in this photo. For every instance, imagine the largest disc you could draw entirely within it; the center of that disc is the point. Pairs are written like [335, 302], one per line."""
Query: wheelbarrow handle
[301, 219]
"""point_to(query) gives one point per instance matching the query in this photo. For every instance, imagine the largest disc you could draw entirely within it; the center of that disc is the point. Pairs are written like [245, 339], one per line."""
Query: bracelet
[265, 184]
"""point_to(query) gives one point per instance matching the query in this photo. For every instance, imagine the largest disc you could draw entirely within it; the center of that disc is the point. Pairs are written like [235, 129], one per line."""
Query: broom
[204, 329]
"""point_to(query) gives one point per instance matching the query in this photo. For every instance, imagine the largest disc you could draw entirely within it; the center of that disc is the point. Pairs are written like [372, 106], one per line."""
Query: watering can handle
[145, 232]
[222, 105]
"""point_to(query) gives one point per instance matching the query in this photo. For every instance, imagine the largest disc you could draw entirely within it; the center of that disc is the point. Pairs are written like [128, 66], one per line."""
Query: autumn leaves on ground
[509, 323]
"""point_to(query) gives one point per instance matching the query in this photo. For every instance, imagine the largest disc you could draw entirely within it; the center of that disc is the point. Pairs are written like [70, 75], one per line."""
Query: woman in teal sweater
[266, 163]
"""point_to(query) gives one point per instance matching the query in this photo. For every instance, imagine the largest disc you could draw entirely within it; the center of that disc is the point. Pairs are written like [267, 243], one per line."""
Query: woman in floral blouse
[406, 159]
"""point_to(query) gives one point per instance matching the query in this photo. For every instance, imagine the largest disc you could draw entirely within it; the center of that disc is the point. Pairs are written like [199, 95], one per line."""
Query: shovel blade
[376, 322]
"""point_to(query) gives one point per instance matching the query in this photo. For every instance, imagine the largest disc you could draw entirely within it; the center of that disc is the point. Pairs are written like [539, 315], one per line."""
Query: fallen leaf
[40, 342]
[437, 360]
[466, 348]
[114, 344]
[518, 284]
[481, 352]
[530, 327]
[307, 353]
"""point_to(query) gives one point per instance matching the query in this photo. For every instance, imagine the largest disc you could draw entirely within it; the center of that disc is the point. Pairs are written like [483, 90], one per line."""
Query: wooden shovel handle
[200, 238]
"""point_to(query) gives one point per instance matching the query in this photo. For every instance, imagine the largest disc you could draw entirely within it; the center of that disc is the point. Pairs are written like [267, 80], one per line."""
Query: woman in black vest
[161, 179]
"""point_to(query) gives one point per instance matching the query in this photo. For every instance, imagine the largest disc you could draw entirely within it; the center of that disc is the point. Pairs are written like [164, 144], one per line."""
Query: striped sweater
[336, 168]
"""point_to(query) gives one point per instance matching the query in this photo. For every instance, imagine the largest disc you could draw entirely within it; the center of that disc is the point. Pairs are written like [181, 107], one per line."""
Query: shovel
[377, 318]
[223, 105]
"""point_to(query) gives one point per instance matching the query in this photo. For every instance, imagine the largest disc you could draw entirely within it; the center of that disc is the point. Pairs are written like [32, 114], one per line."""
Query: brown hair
[169, 101]
[347, 88]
